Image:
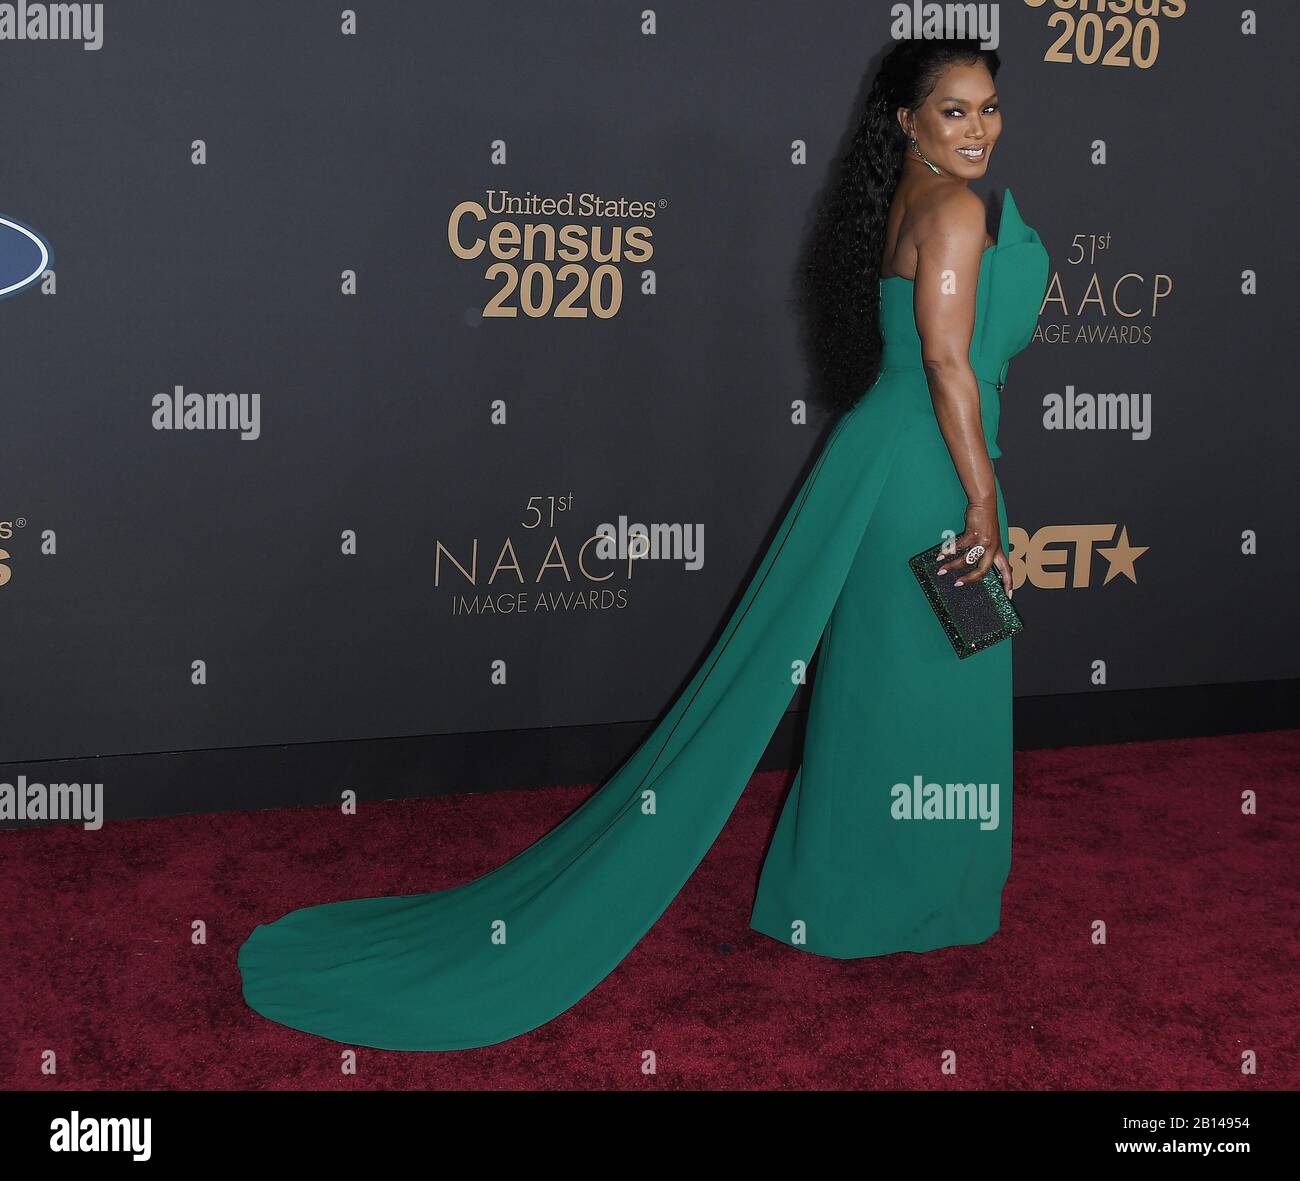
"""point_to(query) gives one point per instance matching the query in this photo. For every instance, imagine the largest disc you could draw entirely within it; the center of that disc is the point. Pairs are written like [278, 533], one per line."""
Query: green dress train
[856, 867]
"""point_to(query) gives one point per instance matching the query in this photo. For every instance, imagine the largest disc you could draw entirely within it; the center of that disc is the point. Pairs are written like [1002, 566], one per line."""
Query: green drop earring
[912, 141]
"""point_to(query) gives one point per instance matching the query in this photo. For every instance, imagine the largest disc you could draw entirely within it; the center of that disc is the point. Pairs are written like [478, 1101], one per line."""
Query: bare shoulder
[951, 220]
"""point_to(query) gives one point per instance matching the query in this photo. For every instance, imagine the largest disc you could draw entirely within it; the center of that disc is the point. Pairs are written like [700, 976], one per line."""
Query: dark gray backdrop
[330, 152]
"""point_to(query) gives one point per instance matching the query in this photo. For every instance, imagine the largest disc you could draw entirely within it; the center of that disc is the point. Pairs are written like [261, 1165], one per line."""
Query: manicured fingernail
[957, 583]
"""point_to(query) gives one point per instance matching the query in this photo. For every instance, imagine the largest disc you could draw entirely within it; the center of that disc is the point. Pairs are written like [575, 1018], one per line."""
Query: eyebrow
[951, 98]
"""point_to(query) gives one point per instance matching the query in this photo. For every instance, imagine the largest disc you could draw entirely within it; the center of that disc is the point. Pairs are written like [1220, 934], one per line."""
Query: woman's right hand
[982, 528]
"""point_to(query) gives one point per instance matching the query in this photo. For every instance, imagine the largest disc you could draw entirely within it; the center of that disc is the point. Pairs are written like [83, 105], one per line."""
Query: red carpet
[1199, 902]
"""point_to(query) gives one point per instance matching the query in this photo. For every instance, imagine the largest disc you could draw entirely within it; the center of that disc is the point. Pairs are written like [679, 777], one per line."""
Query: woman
[912, 306]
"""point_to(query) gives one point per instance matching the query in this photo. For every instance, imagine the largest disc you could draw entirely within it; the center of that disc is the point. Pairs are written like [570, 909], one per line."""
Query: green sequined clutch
[975, 615]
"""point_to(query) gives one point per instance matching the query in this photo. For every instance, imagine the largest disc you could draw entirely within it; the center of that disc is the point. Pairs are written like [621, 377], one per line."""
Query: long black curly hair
[837, 285]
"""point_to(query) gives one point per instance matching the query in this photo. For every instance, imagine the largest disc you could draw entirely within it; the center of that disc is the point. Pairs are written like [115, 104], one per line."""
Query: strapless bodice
[1013, 277]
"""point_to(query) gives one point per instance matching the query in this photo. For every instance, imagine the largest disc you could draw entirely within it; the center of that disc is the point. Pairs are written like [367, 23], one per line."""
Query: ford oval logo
[24, 256]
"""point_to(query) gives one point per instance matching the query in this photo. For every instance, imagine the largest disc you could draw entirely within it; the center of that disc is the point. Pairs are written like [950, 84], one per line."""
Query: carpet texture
[100, 964]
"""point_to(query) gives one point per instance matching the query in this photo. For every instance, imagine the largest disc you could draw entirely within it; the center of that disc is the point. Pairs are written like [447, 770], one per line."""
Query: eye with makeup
[989, 110]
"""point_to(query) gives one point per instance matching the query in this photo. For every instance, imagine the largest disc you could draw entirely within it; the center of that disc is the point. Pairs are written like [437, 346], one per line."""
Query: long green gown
[851, 871]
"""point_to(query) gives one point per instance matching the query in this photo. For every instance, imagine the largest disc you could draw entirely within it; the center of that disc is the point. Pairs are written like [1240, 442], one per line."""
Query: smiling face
[958, 124]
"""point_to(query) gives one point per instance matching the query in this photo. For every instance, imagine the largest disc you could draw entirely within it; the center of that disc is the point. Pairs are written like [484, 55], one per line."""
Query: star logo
[1121, 557]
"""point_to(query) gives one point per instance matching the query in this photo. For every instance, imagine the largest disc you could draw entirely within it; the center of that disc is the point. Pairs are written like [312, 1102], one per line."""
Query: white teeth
[973, 153]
